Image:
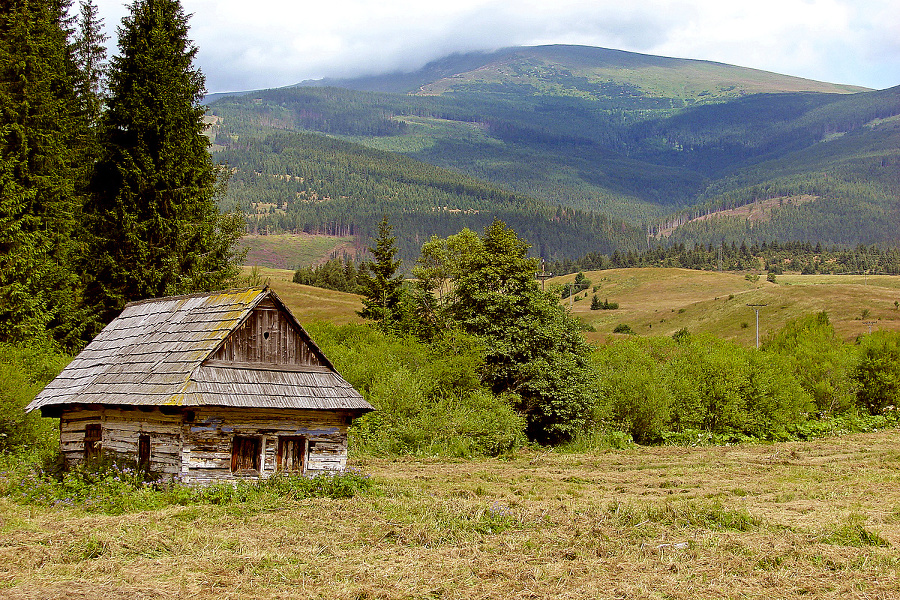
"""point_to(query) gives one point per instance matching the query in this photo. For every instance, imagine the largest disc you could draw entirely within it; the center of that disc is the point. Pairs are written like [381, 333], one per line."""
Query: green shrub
[877, 372]
[24, 372]
[819, 361]
[428, 398]
[698, 389]
[636, 396]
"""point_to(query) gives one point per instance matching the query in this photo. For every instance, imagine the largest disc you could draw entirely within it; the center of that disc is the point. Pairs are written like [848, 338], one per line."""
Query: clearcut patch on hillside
[755, 212]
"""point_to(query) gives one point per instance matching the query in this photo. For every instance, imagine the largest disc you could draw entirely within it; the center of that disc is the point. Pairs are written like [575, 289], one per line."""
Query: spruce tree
[89, 56]
[157, 230]
[380, 286]
[39, 288]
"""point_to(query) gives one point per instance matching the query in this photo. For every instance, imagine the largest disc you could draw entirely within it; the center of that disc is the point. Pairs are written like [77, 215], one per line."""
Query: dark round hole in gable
[266, 335]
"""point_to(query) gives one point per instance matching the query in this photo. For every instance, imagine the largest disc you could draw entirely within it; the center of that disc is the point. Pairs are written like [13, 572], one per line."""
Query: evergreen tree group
[105, 197]
[773, 256]
[338, 274]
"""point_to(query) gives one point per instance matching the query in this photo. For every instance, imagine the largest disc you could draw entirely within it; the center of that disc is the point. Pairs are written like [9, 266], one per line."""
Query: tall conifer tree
[156, 225]
[39, 290]
[90, 61]
[380, 286]
[89, 54]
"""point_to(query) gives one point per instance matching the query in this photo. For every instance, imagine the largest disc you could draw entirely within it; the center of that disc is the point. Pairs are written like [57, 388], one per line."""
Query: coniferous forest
[569, 159]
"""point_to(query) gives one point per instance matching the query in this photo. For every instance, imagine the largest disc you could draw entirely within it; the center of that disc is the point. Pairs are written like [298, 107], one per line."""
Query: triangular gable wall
[267, 336]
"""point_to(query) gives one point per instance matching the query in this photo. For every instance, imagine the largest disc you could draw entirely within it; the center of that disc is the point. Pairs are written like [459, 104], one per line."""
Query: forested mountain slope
[647, 140]
[301, 182]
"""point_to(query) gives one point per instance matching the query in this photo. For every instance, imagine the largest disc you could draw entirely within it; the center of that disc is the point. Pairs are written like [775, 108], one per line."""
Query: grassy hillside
[289, 251]
[663, 301]
[574, 69]
[817, 519]
[309, 303]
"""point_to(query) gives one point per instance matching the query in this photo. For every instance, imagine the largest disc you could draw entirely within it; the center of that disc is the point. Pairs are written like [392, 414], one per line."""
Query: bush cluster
[655, 387]
[805, 382]
[24, 371]
[429, 398]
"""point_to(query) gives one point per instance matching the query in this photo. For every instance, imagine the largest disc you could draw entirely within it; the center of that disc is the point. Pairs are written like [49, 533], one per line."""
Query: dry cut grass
[794, 520]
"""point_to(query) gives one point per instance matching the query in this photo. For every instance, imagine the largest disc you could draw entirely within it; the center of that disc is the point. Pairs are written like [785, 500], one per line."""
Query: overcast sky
[255, 44]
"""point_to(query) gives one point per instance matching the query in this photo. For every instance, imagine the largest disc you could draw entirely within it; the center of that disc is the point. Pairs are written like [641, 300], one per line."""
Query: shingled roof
[162, 352]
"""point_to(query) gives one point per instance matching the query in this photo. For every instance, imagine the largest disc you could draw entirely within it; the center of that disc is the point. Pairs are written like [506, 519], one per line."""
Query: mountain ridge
[587, 59]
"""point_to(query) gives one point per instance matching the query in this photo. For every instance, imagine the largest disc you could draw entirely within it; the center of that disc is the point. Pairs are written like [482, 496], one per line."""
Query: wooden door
[93, 440]
[144, 451]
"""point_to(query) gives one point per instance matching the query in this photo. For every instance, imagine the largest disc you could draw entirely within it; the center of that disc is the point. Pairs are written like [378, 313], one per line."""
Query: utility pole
[869, 323]
[571, 287]
[543, 276]
[756, 308]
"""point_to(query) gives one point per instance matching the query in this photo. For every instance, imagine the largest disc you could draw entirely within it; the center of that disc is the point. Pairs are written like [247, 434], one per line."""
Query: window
[144, 451]
[291, 453]
[93, 440]
[245, 455]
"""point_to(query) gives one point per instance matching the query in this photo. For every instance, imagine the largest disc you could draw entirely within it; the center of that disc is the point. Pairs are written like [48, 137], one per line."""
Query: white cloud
[269, 43]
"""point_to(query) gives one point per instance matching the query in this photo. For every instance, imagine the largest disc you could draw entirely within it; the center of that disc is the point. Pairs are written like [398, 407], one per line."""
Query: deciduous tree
[533, 349]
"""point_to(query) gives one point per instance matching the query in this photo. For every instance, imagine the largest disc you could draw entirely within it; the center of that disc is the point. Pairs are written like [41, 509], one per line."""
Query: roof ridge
[197, 295]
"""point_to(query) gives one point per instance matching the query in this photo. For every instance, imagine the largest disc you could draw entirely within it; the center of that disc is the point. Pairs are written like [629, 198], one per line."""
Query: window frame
[246, 454]
[300, 454]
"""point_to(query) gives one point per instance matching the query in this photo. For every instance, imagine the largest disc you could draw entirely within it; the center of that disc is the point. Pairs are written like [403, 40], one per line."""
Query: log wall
[207, 440]
[196, 446]
[121, 429]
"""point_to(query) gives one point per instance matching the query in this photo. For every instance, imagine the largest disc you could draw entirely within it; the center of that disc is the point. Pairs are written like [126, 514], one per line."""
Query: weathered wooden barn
[205, 387]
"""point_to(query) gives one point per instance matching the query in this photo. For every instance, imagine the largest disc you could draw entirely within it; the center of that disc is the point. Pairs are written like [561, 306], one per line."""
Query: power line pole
[543, 276]
[756, 308]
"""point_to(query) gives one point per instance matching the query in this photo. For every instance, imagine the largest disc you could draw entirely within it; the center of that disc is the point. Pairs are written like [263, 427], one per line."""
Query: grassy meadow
[813, 519]
[289, 251]
[817, 519]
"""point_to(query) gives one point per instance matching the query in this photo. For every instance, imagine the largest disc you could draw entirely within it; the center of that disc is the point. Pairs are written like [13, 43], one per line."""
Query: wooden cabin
[205, 387]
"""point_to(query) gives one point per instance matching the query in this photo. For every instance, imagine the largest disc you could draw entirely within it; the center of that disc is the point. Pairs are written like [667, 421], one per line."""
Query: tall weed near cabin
[24, 371]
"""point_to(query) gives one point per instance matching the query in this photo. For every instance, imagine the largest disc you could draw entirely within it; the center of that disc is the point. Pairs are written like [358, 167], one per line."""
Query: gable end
[268, 336]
